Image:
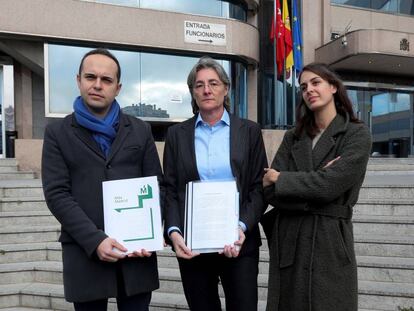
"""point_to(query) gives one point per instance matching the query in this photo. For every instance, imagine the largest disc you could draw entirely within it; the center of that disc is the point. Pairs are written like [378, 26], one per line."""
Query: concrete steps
[386, 207]
[380, 224]
[21, 218]
[43, 251]
[21, 188]
[385, 269]
[385, 296]
[29, 234]
[31, 268]
[384, 245]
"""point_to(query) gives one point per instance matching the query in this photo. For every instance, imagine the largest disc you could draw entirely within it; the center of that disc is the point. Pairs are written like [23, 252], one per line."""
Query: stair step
[12, 253]
[385, 295]
[8, 168]
[24, 309]
[29, 234]
[30, 272]
[50, 296]
[33, 218]
[391, 161]
[11, 204]
[8, 162]
[21, 188]
[34, 295]
[371, 191]
[17, 175]
[391, 207]
[378, 224]
[386, 269]
[384, 245]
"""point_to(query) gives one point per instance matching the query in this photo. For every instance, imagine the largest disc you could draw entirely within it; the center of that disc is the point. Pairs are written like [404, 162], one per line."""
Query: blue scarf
[103, 130]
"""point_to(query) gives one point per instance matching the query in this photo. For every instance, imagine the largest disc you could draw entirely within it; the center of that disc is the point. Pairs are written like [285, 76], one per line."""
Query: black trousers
[238, 276]
[139, 302]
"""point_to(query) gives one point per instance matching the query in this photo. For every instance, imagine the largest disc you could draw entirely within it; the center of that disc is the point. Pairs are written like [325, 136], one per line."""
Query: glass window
[407, 7]
[1, 111]
[63, 66]
[164, 86]
[1, 89]
[133, 3]
[206, 7]
[388, 6]
[154, 86]
[389, 114]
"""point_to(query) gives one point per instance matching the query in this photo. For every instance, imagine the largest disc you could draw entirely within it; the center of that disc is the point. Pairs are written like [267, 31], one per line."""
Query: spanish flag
[287, 37]
[277, 32]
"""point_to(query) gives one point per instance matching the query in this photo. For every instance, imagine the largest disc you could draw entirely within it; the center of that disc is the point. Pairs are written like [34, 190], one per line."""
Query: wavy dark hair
[305, 120]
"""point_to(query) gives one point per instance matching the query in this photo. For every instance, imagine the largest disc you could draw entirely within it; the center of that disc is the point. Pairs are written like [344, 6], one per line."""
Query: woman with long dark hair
[313, 184]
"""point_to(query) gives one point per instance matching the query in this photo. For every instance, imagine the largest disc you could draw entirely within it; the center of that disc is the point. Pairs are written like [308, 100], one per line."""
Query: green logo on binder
[145, 194]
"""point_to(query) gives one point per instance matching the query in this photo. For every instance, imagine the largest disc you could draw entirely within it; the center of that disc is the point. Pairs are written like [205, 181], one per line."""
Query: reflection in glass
[63, 66]
[1, 111]
[164, 86]
[389, 115]
[1, 89]
[389, 6]
[154, 86]
[206, 7]
[133, 3]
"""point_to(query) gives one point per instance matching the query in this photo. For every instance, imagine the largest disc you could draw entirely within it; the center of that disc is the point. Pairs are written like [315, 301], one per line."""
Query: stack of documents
[212, 215]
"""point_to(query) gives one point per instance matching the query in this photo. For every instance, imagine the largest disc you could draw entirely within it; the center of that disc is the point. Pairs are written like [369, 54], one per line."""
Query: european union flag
[297, 38]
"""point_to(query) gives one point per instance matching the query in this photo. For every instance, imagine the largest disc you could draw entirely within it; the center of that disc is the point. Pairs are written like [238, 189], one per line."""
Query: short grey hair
[207, 62]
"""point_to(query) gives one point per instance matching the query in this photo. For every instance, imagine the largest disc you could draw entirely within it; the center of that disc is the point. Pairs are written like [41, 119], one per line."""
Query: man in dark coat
[94, 144]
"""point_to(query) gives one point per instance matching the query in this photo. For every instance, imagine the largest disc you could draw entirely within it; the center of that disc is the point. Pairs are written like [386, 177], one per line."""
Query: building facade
[368, 42]
[157, 43]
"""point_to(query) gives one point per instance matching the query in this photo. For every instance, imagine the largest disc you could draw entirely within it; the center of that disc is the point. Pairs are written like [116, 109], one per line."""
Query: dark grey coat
[73, 168]
[312, 258]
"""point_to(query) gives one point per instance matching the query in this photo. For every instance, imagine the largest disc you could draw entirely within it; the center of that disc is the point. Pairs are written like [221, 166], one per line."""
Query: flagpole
[284, 101]
[275, 63]
[293, 95]
[293, 71]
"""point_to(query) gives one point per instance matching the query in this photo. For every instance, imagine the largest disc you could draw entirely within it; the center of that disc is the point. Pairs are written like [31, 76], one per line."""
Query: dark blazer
[73, 168]
[247, 160]
[312, 258]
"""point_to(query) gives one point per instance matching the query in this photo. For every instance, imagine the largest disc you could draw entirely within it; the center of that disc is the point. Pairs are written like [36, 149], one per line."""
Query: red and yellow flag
[287, 36]
[277, 33]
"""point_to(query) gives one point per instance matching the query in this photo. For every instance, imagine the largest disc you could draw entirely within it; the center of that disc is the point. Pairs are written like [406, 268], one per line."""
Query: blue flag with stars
[297, 38]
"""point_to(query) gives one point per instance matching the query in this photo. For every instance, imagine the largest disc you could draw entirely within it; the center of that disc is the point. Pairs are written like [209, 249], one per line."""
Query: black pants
[238, 276]
[139, 302]
[129, 303]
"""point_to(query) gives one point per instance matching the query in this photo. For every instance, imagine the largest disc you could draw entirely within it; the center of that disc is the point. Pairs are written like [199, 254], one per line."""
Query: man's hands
[111, 250]
[181, 250]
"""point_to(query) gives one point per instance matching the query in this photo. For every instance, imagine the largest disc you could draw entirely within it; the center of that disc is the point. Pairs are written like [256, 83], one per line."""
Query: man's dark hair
[105, 52]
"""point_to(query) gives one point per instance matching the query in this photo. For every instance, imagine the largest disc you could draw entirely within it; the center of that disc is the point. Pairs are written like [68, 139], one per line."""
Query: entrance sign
[204, 33]
[132, 213]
